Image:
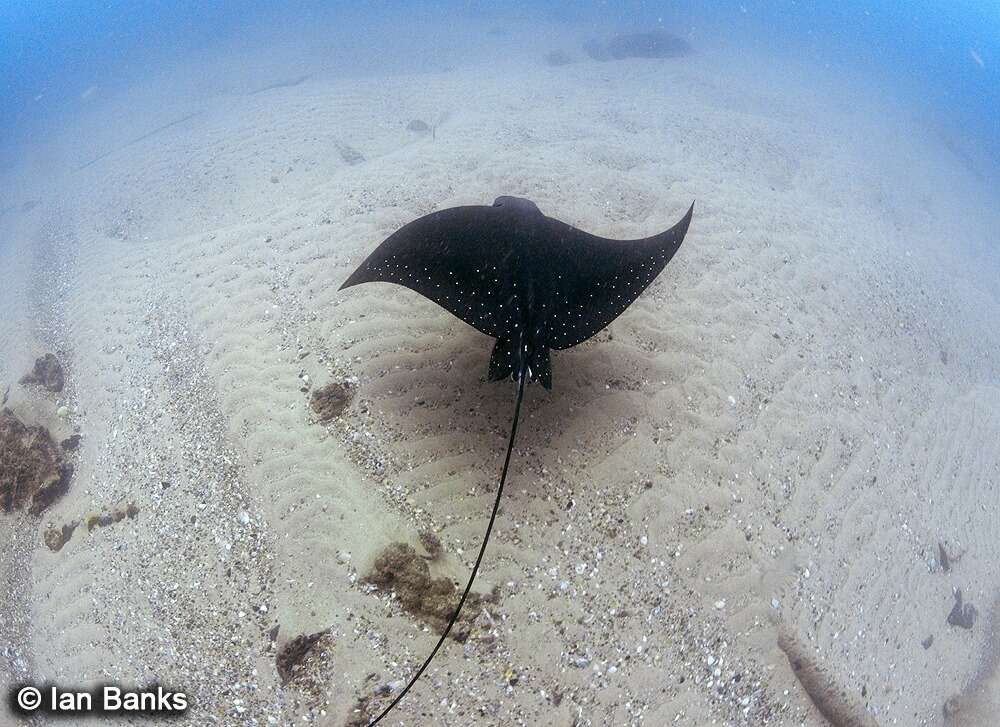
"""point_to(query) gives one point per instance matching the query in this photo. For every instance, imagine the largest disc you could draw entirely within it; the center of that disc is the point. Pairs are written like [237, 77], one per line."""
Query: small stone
[55, 538]
[581, 662]
[62, 412]
[720, 604]
[953, 705]
[775, 604]
[431, 543]
[244, 517]
[343, 557]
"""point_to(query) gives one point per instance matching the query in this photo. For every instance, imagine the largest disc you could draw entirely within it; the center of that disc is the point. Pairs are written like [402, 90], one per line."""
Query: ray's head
[517, 204]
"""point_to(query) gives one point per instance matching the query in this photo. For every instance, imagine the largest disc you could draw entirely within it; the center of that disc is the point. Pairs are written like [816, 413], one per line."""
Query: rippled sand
[777, 435]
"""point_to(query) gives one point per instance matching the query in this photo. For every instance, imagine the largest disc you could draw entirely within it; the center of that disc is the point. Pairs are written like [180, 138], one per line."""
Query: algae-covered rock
[33, 472]
[48, 372]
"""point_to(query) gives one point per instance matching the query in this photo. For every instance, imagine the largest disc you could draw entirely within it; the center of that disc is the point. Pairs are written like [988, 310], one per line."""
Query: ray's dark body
[530, 281]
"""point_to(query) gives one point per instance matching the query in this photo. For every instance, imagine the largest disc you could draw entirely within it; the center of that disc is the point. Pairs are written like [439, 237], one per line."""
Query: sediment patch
[400, 569]
[330, 401]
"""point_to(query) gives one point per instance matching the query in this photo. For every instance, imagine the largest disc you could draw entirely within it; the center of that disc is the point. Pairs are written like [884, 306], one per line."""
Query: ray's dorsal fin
[521, 378]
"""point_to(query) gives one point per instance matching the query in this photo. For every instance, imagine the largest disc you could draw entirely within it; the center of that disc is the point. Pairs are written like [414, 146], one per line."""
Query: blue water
[943, 56]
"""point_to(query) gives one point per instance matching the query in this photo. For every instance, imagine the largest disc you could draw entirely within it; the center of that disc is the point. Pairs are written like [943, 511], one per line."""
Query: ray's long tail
[521, 378]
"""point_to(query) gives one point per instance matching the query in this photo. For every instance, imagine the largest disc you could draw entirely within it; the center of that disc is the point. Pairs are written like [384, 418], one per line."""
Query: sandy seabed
[730, 509]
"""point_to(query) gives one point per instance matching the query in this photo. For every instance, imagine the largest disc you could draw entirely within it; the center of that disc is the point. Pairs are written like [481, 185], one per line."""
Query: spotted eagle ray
[530, 281]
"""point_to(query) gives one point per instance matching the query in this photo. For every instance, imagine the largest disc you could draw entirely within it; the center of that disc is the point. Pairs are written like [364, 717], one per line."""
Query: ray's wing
[455, 257]
[592, 279]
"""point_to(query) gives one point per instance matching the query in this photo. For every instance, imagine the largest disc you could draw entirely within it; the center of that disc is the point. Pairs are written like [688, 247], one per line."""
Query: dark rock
[330, 401]
[926, 643]
[558, 58]
[962, 614]
[349, 154]
[654, 44]
[71, 443]
[418, 127]
[943, 557]
[104, 519]
[48, 372]
[596, 50]
[32, 471]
